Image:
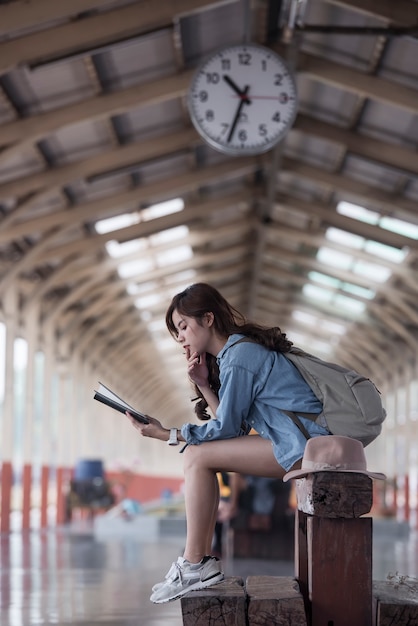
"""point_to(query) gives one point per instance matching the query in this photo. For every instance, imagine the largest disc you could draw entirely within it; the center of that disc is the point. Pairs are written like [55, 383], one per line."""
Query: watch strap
[172, 440]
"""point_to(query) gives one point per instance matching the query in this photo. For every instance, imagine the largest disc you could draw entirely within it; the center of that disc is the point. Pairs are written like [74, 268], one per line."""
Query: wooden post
[27, 495]
[6, 496]
[44, 495]
[333, 548]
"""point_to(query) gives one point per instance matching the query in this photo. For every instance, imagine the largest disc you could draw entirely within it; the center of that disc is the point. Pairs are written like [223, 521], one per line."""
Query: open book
[111, 399]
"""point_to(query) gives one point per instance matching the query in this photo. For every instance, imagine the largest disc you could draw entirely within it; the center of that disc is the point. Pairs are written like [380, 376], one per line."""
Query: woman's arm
[154, 429]
[211, 398]
[198, 373]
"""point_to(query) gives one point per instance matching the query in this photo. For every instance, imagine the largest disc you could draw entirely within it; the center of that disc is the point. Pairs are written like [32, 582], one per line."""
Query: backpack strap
[293, 416]
[295, 419]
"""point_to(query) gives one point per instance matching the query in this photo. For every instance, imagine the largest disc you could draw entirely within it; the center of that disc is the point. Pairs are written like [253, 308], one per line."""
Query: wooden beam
[401, 158]
[359, 83]
[399, 13]
[184, 183]
[92, 31]
[35, 127]
[180, 184]
[133, 154]
[334, 181]
[22, 15]
[109, 206]
[96, 274]
[75, 265]
[389, 317]
[330, 217]
[86, 338]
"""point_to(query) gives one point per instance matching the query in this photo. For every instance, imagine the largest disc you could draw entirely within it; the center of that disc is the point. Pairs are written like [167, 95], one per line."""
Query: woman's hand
[197, 369]
[154, 429]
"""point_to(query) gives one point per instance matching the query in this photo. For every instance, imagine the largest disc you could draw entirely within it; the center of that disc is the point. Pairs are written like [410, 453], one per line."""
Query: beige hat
[332, 453]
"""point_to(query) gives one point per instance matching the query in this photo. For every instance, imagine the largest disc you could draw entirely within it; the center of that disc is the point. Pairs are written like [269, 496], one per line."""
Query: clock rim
[239, 151]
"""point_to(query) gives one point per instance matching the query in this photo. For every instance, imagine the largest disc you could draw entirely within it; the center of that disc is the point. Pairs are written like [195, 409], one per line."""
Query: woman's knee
[194, 456]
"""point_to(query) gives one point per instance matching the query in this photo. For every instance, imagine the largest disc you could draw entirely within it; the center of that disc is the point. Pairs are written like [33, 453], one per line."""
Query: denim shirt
[256, 383]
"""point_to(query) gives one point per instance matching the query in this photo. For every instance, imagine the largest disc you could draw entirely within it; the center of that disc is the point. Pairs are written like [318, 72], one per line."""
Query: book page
[105, 391]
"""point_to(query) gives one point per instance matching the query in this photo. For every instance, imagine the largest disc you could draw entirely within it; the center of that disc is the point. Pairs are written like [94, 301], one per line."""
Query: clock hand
[241, 94]
[244, 100]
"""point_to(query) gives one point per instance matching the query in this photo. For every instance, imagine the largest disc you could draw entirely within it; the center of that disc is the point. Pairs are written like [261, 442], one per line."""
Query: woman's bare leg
[245, 455]
[211, 525]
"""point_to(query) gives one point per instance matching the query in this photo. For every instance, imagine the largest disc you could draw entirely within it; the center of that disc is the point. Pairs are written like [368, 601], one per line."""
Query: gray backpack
[351, 403]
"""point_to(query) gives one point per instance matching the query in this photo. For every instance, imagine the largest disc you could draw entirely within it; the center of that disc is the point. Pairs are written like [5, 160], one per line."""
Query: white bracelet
[173, 441]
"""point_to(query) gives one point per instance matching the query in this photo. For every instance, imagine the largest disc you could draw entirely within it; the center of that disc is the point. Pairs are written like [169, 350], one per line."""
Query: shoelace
[171, 574]
[179, 572]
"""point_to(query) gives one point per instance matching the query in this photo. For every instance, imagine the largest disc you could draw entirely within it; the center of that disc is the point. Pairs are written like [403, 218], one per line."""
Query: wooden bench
[223, 605]
[395, 602]
[278, 601]
[333, 570]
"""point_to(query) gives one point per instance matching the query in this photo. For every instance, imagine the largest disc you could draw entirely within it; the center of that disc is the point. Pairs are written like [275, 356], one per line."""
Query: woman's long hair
[201, 298]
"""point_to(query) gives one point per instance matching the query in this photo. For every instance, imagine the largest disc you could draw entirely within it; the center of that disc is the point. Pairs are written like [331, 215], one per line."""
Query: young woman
[246, 385]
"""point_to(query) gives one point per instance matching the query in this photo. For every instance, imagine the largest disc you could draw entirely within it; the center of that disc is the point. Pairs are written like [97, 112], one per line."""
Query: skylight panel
[157, 326]
[317, 293]
[168, 235]
[135, 268]
[390, 253]
[147, 301]
[111, 224]
[351, 304]
[334, 258]
[395, 225]
[357, 212]
[336, 284]
[310, 344]
[305, 318]
[297, 338]
[166, 345]
[376, 273]
[330, 296]
[176, 255]
[187, 277]
[343, 237]
[316, 345]
[136, 288]
[162, 208]
[117, 250]
[381, 250]
[318, 322]
[400, 226]
[356, 290]
[324, 279]
[334, 327]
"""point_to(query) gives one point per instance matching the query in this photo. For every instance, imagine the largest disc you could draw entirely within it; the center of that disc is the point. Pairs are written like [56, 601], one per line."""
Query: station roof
[111, 202]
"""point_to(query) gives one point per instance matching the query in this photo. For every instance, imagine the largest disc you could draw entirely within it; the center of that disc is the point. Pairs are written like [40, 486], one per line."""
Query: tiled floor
[71, 577]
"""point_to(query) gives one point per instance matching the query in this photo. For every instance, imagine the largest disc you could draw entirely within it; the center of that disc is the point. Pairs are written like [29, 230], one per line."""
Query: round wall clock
[243, 100]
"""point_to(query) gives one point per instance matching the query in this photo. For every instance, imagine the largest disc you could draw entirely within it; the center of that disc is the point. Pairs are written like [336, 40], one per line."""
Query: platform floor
[68, 576]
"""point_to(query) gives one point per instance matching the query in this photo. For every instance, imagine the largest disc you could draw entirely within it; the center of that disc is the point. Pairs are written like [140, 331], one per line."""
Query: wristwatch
[172, 440]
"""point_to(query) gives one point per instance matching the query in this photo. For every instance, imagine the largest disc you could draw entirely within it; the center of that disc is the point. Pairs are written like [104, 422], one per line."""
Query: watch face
[243, 99]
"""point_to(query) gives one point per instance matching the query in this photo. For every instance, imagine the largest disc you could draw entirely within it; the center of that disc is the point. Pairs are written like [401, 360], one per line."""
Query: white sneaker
[171, 574]
[183, 577]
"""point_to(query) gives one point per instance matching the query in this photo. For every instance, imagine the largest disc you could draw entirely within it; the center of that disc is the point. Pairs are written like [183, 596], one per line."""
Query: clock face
[243, 99]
